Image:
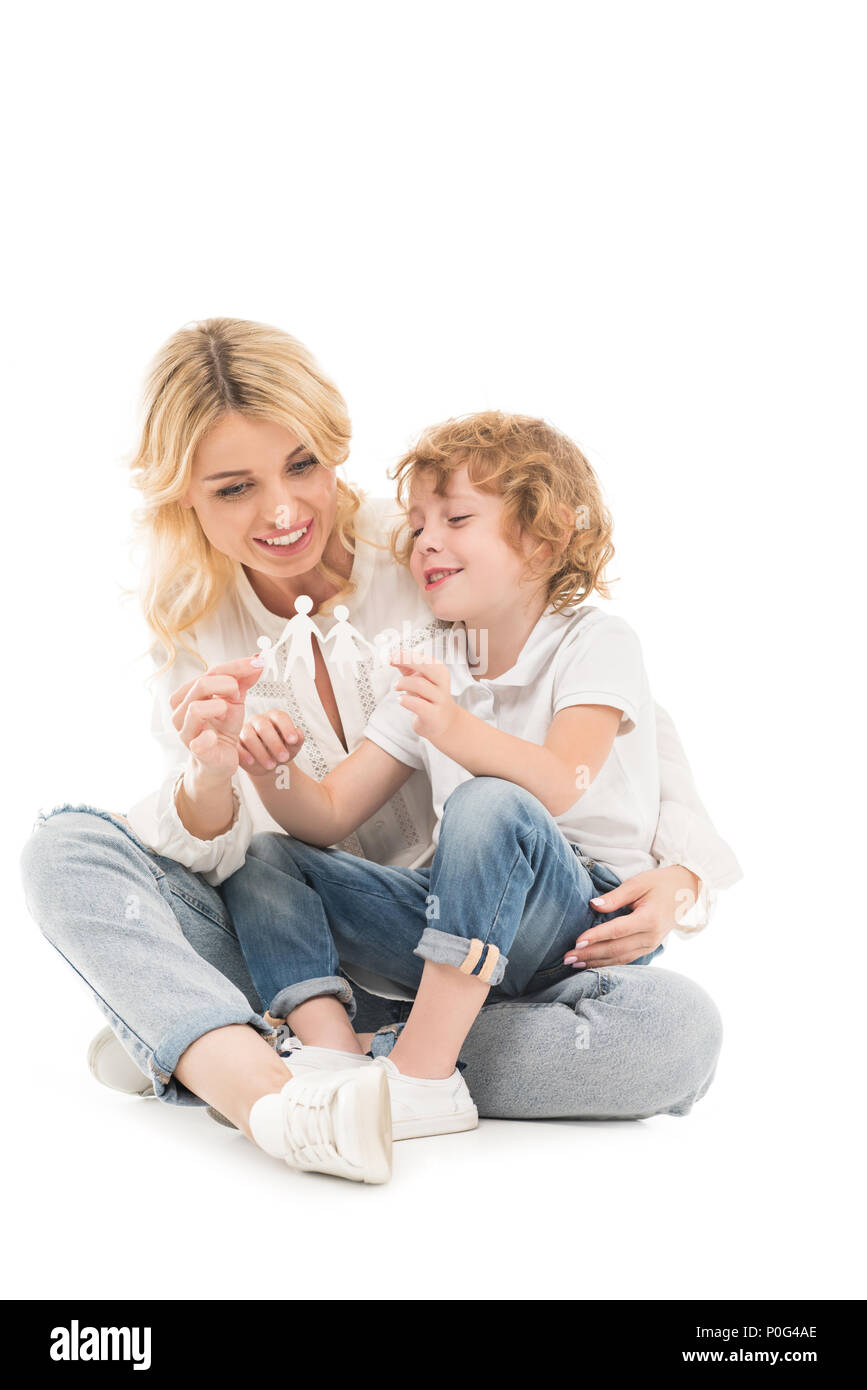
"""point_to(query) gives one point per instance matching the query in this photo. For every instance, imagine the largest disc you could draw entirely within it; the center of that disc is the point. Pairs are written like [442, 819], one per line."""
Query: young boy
[542, 760]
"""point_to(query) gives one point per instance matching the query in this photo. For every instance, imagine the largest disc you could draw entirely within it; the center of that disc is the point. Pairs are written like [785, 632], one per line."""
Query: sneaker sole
[374, 1125]
[430, 1125]
[106, 1039]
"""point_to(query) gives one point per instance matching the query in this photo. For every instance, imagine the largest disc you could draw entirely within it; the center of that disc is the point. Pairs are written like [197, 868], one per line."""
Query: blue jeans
[155, 945]
[504, 899]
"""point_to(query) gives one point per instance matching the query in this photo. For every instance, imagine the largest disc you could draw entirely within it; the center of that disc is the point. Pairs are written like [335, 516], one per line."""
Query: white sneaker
[336, 1122]
[304, 1059]
[112, 1066]
[420, 1107]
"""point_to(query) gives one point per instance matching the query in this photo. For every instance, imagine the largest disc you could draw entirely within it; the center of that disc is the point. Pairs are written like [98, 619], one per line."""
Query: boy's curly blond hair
[548, 487]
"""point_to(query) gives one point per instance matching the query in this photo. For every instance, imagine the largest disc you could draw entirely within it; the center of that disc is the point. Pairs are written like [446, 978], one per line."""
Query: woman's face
[261, 496]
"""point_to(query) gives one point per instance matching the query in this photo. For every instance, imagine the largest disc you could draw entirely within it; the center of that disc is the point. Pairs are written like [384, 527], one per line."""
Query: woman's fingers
[621, 896]
[199, 715]
[203, 688]
[231, 680]
[617, 941]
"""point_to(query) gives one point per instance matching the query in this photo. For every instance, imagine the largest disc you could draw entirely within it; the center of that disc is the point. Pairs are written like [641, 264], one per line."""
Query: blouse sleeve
[155, 819]
[685, 833]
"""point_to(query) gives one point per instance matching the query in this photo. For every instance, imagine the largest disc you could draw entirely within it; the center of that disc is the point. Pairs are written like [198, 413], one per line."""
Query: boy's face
[461, 560]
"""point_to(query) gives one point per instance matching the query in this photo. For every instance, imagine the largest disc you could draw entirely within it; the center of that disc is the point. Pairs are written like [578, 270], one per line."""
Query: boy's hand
[267, 740]
[425, 691]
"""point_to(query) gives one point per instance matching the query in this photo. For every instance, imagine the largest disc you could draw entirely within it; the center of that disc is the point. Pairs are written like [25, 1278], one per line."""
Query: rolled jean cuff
[289, 998]
[471, 956]
[384, 1040]
[162, 1063]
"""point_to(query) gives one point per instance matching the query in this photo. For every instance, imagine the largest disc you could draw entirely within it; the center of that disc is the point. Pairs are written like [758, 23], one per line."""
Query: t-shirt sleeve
[390, 728]
[603, 665]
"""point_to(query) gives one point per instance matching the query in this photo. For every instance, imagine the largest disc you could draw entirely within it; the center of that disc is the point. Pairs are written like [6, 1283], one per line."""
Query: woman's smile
[283, 543]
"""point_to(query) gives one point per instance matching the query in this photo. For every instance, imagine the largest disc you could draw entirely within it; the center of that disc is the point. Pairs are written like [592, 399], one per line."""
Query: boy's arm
[321, 813]
[558, 773]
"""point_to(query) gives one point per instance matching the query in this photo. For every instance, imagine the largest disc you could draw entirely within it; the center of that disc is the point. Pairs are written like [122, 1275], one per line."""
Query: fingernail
[270, 765]
[257, 661]
[580, 965]
[570, 960]
[597, 902]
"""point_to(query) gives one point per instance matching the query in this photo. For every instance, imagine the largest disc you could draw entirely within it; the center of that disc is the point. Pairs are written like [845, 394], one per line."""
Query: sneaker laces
[308, 1132]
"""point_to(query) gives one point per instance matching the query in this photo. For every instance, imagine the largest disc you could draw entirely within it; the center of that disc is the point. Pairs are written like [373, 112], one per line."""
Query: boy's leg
[299, 910]
[510, 895]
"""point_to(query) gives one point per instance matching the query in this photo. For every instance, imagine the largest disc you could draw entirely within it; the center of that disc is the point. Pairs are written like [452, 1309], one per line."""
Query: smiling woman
[244, 512]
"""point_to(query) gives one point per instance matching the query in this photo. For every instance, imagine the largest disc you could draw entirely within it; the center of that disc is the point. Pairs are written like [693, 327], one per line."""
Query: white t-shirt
[583, 657]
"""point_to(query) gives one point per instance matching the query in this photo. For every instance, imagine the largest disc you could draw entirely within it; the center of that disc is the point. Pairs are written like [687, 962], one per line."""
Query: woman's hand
[425, 690]
[208, 715]
[268, 740]
[658, 898]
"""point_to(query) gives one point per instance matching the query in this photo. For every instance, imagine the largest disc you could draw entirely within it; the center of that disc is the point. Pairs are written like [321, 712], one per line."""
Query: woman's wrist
[205, 802]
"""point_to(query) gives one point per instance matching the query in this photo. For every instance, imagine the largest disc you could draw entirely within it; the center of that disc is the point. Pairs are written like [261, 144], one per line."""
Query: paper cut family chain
[297, 637]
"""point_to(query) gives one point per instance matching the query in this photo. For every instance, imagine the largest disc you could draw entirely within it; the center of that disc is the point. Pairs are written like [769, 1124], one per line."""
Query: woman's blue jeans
[156, 946]
[503, 900]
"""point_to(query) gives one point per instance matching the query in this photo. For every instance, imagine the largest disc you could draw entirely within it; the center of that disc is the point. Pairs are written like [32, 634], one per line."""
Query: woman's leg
[155, 945]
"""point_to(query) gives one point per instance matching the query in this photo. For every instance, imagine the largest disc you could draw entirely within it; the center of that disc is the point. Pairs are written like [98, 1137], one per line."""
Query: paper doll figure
[346, 639]
[299, 633]
[269, 655]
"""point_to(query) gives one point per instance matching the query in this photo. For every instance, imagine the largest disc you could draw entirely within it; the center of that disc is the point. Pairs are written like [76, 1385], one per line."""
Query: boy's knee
[484, 801]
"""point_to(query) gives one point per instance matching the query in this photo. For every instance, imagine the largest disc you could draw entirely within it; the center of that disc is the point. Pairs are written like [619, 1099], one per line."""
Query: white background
[645, 222]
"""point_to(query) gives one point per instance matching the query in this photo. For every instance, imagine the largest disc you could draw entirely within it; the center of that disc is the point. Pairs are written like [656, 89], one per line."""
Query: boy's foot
[336, 1122]
[303, 1059]
[111, 1065]
[420, 1107]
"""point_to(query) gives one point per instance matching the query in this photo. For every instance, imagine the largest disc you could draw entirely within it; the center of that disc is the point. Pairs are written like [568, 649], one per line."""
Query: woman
[243, 513]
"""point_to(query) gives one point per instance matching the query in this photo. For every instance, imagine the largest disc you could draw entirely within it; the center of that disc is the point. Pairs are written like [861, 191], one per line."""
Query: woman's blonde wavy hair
[548, 487]
[204, 371]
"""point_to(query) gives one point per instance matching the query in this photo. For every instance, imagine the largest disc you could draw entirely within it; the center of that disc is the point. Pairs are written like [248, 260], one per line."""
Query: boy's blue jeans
[503, 900]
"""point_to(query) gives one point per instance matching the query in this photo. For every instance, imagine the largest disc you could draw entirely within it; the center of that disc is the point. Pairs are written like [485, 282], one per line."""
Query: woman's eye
[459, 518]
[417, 532]
[238, 489]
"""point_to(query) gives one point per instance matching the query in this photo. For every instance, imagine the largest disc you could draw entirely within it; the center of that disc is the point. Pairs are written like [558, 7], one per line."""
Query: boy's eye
[417, 532]
[239, 489]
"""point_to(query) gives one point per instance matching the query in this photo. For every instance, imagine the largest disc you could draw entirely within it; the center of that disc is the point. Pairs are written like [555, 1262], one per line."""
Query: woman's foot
[421, 1107]
[329, 1122]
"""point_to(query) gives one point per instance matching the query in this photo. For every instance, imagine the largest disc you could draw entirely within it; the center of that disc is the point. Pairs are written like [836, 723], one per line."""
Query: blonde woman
[243, 512]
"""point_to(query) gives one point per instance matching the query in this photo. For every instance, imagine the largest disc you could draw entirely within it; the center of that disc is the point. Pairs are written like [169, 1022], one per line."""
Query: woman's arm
[198, 815]
[321, 813]
[685, 833]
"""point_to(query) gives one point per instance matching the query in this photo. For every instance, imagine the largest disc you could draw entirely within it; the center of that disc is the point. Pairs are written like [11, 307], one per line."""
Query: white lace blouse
[385, 598]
